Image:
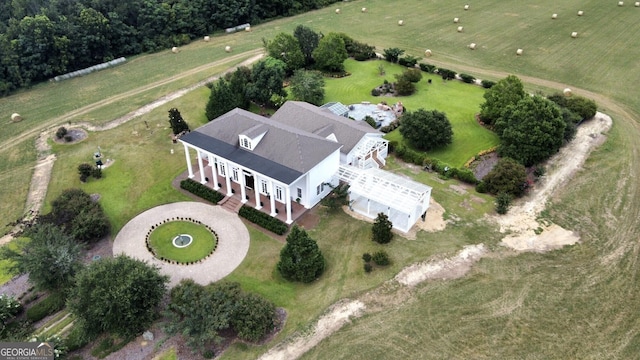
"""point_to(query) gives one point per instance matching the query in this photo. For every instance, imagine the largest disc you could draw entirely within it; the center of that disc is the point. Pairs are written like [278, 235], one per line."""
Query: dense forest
[40, 39]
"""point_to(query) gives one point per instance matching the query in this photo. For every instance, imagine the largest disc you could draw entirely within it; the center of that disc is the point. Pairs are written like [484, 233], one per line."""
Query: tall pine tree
[178, 125]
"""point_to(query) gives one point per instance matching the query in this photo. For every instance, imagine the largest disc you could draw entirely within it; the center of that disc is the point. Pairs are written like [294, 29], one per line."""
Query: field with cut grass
[579, 302]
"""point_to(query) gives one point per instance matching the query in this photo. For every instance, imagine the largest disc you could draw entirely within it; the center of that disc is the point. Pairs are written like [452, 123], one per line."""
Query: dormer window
[251, 137]
[245, 143]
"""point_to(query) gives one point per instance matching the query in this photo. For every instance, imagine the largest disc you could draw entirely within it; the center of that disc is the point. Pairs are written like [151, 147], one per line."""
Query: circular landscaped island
[181, 241]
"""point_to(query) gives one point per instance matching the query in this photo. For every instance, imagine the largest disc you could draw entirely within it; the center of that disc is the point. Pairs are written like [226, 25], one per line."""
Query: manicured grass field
[459, 101]
[161, 241]
[579, 302]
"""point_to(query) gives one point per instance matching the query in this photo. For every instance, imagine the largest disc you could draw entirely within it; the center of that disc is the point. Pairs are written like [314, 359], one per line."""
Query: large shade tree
[285, 47]
[308, 86]
[426, 129]
[505, 92]
[507, 177]
[119, 295]
[300, 259]
[267, 77]
[531, 130]
[308, 40]
[331, 53]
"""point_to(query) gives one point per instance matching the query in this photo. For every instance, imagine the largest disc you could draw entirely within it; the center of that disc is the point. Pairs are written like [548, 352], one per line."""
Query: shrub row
[469, 79]
[49, 305]
[428, 68]
[263, 220]
[200, 190]
[446, 74]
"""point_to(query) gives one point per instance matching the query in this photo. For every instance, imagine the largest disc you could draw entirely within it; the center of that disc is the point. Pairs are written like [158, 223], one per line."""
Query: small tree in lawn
[381, 230]
[426, 129]
[392, 54]
[300, 259]
[178, 125]
[84, 170]
[503, 201]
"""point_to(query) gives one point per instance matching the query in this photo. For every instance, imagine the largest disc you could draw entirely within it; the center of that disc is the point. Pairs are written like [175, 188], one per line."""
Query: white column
[214, 172]
[227, 178]
[272, 198]
[368, 206]
[288, 203]
[186, 153]
[256, 188]
[243, 191]
[201, 168]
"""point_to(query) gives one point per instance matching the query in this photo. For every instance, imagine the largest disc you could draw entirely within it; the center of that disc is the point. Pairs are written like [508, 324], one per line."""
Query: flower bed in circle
[159, 241]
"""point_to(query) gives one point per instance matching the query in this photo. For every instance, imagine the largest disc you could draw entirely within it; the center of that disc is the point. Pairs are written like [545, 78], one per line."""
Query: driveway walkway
[233, 241]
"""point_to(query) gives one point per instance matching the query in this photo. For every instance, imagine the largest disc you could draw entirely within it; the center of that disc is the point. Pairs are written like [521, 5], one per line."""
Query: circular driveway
[233, 241]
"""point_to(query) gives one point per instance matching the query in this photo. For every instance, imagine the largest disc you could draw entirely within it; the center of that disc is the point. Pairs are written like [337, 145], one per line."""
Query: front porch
[279, 208]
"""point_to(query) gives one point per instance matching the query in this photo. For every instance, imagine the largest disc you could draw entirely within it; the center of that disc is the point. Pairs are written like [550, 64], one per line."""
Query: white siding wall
[324, 172]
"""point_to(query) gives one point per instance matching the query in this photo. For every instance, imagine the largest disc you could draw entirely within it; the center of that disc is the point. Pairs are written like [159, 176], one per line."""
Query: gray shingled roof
[312, 119]
[284, 153]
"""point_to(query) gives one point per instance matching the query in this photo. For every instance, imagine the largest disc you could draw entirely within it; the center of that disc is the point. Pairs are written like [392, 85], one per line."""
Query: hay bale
[466, 7]
[364, 10]
[174, 50]
[620, 3]
[519, 52]
[472, 46]
[456, 20]
[460, 28]
[567, 92]
[15, 117]
[337, 11]
[227, 48]
[427, 53]
[247, 29]
[580, 13]
[400, 22]
[574, 34]
[637, 4]
[207, 38]
[554, 16]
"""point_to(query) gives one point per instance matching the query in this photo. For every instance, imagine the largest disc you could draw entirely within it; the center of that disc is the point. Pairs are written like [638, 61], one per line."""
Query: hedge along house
[282, 165]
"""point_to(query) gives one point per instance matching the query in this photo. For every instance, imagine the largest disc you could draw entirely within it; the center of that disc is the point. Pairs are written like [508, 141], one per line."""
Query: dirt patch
[541, 240]
[484, 164]
[74, 135]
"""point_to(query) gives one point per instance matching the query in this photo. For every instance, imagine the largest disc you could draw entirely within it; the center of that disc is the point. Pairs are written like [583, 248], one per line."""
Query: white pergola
[366, 151]
[373, 191]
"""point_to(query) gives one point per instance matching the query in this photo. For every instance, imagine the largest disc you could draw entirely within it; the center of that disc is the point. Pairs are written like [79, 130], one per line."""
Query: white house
[282, 164]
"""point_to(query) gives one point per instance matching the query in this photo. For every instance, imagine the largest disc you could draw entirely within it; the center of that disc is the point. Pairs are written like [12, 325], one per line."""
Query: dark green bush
[427, 68]
[61, 132]
[366, 257]
[481, 187]
[369, 120]
[466, 175]
[381, 258]
[375, 92]
[263, 220]
[367, 267]
[413, 75]
[503, 201]
[392, 126]
[467, 78]
[446, 74]
[50, 305]
[408, 61]
[200, 190]
[487, 84]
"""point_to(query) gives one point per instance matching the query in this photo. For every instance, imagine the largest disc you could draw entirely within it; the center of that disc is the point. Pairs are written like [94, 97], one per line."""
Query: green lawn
[203, 243]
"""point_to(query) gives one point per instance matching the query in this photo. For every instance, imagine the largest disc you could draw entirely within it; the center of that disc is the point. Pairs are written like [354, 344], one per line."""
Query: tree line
[40, 39]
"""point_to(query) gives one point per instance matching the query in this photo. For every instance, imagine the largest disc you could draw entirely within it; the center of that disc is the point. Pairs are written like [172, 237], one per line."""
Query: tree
[337, 198]
[253, 317]
[403, 85]
[392, 54]
[9, 308]
[51, 257]
[84, 170]
[330, 53]
[585, 108]
[300, 259]
[381, 230]
[267, 77]
[531, 130]
[238, 81]
[505, 92]
[426, 129]
[508, 176]
[178, 125]
[221, 100]
[119, 295]
[286, 48]
[308, 41]
[308, 86]
[503, 201]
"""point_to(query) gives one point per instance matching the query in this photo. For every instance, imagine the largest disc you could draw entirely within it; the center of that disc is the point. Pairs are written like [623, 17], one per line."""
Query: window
[319, 189]
[264, 186]
[235, 174]
[245, 143]
[299, 193]
[279, 191]
[221, 169]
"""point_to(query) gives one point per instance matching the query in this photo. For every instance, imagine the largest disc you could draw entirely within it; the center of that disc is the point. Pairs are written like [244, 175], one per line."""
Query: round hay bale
[174, 50]
[580, 13]
[554, 16]
[207, 38]
[400, 22]
[456, 20]
[466, 7]
[337, 11]
[472, 46]
[15, 117]
[427, 53]
[364, 9]
[574, 34]
[567, 92]
[637, 4]
[519, 52]
[620, 3]
[247, 29]
[460, 28]
[227, 48]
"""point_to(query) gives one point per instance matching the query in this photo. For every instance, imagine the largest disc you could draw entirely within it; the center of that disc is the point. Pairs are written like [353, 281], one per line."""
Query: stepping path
[233, 241]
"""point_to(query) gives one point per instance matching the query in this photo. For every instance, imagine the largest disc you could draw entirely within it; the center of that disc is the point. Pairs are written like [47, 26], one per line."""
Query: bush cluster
[487, 84]
[446, 74]
[392, 126]
[61, 132]
[49, 305]
[428, 68]
[408, 61]
[263, 220]
[200, 190]
[410, 155]
[469, 79]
